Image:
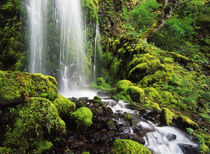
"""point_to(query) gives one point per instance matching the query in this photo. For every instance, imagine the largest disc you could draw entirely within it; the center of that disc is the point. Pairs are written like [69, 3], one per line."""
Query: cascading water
[72, 54]
[37, 12]
[160, 140]
[97, 47]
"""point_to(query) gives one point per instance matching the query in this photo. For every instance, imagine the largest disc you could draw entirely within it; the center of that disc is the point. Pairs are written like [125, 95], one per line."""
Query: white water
[157, 139]
[80, 93]
[37, 12]
[97, 47]
[72, 55]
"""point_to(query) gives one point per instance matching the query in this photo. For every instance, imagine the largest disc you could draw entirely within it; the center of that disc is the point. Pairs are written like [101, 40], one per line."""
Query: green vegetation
[82, 117]
[12, 49]
[17, 87]
[35, 120]
[100, 83]
[126, 146]
[203, 147]
[169, 74]
[64, 106]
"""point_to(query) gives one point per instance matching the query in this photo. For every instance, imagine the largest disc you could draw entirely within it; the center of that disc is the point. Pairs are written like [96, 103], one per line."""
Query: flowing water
[68, 18]
[37, 13]
[160, 140]
[96, 50]
[72, 55]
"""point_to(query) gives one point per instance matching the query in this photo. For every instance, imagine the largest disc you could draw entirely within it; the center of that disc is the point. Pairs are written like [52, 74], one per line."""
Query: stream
[160, 140]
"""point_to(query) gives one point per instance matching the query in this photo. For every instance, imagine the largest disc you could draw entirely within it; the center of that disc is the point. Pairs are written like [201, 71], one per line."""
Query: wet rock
[188, 149]
[137, 138]
[171, 137]
[111, 125]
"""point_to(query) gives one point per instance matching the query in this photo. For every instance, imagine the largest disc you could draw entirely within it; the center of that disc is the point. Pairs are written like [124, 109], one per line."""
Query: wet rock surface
[111, 121]
[106, 128]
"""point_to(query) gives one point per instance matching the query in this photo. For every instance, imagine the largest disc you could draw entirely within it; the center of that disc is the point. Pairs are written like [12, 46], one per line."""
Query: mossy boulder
[142, 66]
[126, 146]
[5, 150]
[123, 85]
[167, 116]
[185, 122]
[15, 87]
[82, 117]
[64, 106]
[100, 83]
[35, 121]
[135, 93]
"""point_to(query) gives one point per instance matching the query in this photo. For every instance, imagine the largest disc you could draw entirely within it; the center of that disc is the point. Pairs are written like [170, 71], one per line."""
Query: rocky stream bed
[116, 120]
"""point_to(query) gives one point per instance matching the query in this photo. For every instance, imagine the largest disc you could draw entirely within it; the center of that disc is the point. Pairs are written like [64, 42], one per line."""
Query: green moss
[135, 93]
[100, 83]
[64, 106]
[17, 86]
[5, 150]
[167, 116]
[90, 9]
[111, 125]
[200, 136]
[42, 146]
[150, 105]
[123, 85]
[126, 146]
[83, 117]
[185, 122]
[144, 65]
[127, 116]
[34, 121]
[85, 152]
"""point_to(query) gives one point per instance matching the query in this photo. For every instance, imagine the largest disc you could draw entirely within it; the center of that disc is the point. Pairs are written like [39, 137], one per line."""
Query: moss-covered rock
[64, 106]
[35, 121]
[100, 83]
[15, 87]
[185, 122]
[5, 150]
[167, 116]
[83, 117]
[135, 93]
[123, 85]
[126, 146]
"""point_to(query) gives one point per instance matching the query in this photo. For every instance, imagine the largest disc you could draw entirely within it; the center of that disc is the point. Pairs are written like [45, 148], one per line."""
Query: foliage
[140, 17]
[100, 83]
[12, 50]
[203, 147]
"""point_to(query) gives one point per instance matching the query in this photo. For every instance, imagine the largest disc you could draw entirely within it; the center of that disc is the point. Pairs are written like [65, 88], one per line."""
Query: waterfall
[96, 49]
[37, 12]
[72, 53]
[67, 60]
